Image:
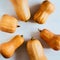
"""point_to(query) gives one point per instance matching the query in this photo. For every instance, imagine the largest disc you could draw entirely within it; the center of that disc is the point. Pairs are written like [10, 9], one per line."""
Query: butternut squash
[8, 23]
[22, 9]
[35, 50]
[46, 8]
[53, 40]
[8, 48]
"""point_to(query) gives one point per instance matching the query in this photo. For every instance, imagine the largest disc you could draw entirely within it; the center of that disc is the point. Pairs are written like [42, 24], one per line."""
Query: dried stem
[18, 25]
[39, 30]
[21, 35]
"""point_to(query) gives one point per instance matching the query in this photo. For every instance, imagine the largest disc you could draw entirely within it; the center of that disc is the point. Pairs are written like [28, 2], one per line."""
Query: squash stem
[32, 38]
[18, 25]
[21, 35]
[39, 30]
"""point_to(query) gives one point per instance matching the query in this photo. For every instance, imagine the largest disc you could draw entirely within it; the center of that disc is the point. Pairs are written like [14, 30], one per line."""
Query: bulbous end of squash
[35, 50]
[46, 8]
[7, 50]
[55, 42]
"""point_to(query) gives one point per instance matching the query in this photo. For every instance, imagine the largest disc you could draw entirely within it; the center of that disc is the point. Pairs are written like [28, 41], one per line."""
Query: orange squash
[8, 23]
[46, 8]
[53, 40]
[35, 50]
[8, 48]
[22, 9]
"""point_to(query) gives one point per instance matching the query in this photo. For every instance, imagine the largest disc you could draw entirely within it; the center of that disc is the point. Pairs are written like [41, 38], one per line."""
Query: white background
[29, 29]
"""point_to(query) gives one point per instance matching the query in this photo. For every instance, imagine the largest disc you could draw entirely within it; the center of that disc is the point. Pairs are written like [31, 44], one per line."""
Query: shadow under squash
[21, 53]
[36, 35]
[33, 10]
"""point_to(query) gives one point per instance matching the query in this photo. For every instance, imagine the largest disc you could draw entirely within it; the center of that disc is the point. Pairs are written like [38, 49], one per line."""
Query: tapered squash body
[51, 39]
[35, 50]
[8, 48]
[46, 8]
[8, 24]
[22, 9]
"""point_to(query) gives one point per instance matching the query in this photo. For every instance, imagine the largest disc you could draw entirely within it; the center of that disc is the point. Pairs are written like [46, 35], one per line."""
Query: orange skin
[51, 39]
[8, 23]
[22, 9]
[46, 8]
[35, 50]
[8, 48]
